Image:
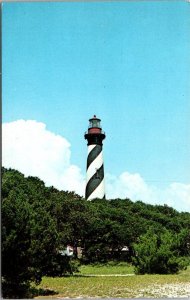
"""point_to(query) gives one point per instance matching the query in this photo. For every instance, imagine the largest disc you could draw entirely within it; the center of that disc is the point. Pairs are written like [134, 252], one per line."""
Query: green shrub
[157, 253]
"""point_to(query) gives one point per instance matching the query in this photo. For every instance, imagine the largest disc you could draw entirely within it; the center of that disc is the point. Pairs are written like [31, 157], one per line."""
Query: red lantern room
[94, 125]
[94, 135]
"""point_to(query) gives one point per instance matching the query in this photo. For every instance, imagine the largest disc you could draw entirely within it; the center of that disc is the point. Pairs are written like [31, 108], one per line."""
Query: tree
[38, 222]
[157, 253]
[15, 246]
[29, 234]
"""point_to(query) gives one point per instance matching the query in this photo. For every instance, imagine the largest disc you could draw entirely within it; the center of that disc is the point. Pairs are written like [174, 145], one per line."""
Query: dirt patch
[169, 290]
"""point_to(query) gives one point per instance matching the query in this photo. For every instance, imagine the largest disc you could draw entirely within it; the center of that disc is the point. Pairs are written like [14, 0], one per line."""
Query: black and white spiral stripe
[95, 187]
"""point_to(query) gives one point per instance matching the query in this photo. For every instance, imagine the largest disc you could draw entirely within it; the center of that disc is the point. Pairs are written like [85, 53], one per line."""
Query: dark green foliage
[15, 247]
[30, 240]
[110, 230]
[62, 265]
[119, 223]
[39, 221]
[159, 253]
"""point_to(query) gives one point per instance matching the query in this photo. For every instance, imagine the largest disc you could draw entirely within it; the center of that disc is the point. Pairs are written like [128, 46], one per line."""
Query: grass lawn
[107, 269]
[155, 286]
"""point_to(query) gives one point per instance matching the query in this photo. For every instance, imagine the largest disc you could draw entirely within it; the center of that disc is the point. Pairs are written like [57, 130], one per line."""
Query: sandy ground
[179, 290]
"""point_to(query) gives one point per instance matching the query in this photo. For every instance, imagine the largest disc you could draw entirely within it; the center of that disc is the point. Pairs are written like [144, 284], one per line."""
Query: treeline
[38, 222]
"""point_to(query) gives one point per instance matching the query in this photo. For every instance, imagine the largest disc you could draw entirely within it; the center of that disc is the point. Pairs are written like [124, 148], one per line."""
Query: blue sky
[126, 62]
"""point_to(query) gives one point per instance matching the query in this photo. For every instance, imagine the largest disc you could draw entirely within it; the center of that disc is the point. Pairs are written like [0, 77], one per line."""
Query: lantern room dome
[94, 135]
[94, 122]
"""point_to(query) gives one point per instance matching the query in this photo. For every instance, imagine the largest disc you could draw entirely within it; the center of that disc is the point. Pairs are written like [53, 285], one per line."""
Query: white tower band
[95, 186]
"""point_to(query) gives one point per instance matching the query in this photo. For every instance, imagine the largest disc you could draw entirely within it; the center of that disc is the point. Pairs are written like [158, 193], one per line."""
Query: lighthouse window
[95, 123]
[97, 175]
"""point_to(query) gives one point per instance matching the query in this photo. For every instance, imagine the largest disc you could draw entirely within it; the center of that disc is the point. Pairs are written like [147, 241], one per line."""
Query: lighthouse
[95, 186]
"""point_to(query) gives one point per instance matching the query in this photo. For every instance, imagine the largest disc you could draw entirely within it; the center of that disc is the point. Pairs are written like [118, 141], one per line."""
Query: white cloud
[126, 185]
[134, 187]
[30, 148]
